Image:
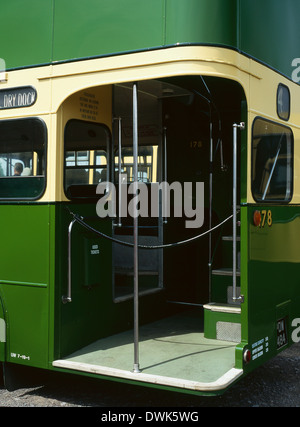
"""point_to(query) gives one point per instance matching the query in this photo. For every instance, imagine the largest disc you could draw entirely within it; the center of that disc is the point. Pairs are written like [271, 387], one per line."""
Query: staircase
[222, 317]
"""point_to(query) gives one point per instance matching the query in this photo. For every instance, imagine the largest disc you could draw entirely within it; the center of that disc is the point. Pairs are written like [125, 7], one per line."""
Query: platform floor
[172, 352]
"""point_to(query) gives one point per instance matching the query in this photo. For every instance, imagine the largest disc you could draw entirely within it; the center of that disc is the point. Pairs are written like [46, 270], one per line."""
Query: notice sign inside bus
[17, 97]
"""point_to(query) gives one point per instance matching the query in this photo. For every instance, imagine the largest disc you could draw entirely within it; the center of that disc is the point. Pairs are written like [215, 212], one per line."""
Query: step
[227, 251]
[222, 322]
[130, 272]
[222, 286]
[222, 308]
[230, 238]
[225, 272]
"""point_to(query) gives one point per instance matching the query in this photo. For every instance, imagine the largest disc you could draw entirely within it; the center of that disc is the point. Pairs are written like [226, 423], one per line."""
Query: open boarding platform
[173, 353]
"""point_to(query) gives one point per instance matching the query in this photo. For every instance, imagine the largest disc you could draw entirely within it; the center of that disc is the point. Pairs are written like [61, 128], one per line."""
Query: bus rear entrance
[151, 298]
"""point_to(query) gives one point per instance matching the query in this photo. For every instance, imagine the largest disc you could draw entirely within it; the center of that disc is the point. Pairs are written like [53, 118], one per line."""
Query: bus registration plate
[281, 333]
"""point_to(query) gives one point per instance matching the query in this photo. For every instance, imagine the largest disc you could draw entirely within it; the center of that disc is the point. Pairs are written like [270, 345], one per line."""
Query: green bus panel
[201, 22]
[102, 27]
[24, 249]
[26, 320]
[272, 291]
[24, 283]
[26, 32]
[270, 32]
[36, 32]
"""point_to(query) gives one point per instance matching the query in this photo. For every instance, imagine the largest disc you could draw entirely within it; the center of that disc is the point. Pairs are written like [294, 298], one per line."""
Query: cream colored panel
[70, 78]
[50, 169]
[29, 77]
[82, 90]
[93, 104]
[263, 103]
[263, 92]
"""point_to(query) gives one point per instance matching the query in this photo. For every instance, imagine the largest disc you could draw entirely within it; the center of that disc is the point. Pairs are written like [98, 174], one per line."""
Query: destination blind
[17, 97]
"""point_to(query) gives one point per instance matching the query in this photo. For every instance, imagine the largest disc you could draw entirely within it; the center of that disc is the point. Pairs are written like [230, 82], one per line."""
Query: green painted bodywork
[34, 278]
[273, 273]
[24, 282]
[38, 32]
[34, 236]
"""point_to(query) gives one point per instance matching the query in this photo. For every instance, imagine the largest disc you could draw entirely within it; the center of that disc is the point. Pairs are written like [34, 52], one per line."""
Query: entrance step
[225, 272]
[227, 246]
[222, 289]
[230, 238]
[222, 322]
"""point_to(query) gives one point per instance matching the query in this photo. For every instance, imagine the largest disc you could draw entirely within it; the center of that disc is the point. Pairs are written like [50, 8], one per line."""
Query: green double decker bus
[151, 92]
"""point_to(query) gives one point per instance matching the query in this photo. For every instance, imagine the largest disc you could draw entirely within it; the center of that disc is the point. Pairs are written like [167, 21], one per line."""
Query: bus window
[86, 158]
[147, 163]
[283, 102]
[22, 158]
[272, 160]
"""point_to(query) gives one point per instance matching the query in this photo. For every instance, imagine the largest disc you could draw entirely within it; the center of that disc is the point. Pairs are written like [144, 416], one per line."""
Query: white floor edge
[221, 383]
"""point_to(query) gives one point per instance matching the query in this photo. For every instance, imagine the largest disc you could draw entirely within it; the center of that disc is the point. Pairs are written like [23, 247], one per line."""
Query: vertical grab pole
[136, 365]
[234, 208]
[211, 154]
[119, 120]
[165, 201]
[120, 170]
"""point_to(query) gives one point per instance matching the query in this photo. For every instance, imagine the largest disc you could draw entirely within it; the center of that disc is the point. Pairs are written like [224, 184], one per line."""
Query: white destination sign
[17, 97]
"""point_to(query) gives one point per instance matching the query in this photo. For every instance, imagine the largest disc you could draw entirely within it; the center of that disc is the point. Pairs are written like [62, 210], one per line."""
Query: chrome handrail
[119, 119]
[68, 298]
[236, 126]
[165, 178]
[136, 365]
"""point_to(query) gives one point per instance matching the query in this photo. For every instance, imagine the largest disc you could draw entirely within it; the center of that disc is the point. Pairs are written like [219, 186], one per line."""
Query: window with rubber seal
[272, 161]
[22, 158]
[86, 158]
[283, 102]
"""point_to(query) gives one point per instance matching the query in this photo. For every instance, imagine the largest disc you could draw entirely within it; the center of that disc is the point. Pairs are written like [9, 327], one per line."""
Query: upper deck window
[86, 158]
[22, 158]
[272, 162]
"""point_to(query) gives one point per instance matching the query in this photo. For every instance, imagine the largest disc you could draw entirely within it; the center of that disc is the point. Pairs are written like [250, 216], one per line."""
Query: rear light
[247, 356]
[256, 218]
